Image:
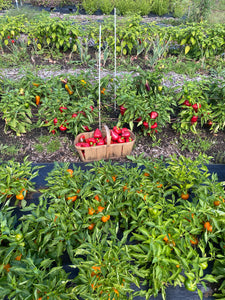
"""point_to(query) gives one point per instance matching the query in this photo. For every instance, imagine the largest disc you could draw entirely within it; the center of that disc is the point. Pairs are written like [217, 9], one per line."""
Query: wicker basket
[109, 151]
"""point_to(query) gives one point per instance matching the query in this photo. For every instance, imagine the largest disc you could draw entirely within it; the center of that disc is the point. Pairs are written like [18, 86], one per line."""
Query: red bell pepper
[100, 142]
[128, 139]
[187, 103]
[114, 135]
[153, 115]
[126, 134]
[117, 129]
[145, 124]
[91, 142]
[121, 139]
[196, 106]
[62, 108]
[194, 119]
[82, 138]
[154, 125]
[82, 145]
[97, 134]
[86, 128]
[82, 112]
[138, 119]
[122, 110]
[124, 129]
[63, 128]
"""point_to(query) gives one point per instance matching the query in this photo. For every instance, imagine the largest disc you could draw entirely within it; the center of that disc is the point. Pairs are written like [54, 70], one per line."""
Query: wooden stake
[115, 59]
[99, 80]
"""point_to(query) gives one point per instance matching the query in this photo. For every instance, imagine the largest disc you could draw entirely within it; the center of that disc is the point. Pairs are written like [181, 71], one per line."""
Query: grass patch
[47, 144]
[9, 149]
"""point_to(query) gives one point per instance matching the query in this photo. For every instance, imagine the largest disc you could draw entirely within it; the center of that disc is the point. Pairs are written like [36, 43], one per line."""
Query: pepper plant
[194, 107]
[143, 101]
[15, 106]
[16, 181]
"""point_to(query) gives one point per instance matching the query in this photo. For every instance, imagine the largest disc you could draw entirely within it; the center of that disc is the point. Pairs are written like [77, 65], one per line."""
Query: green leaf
[209, 278]
[187, 49]
[61, 41]
[183, 42]
[200, 293]
[193, 41]
[131, 124]
[74, 47]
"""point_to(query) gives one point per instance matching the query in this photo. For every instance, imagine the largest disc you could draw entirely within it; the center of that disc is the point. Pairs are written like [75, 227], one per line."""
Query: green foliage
[106, 6]
[54, 34]
[194, 95]
[199, 10]
[9, 149]
[216, 100]
[140, 96]
[5, 4]
[194, 40]
[16, 108]
[179, 7]
[147, 239]
[53, 3]
[160, 7]
[11, 28]
[90, 6]
[16, 178]
[195, 143]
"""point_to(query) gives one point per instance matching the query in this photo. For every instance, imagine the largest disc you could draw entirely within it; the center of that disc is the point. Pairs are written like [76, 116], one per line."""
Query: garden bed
[49, 206]
[151, 224]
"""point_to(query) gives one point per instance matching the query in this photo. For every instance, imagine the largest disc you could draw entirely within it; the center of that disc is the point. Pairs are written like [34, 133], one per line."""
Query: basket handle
[107, 134]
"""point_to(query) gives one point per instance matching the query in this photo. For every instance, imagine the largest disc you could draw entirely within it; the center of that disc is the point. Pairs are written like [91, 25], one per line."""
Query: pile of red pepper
[117, 136]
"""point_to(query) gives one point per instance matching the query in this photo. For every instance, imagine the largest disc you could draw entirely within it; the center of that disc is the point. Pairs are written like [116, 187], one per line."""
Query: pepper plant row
[70, 103]
[195, 40]
[122, 227]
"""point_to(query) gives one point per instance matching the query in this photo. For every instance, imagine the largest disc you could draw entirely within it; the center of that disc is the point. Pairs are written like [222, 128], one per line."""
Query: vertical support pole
[114, 60]
[99, 79]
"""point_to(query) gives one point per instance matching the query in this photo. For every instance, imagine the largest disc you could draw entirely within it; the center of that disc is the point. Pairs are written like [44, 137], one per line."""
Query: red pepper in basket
[121, 139]
[126, 134]
[114, 135]
[128, 139]
[97, 134]
[91, 141]
[117, 130]
[100, 142]
[82, 145]
[82, 138]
